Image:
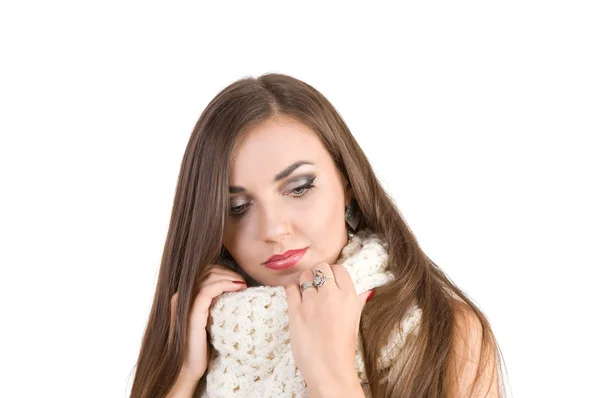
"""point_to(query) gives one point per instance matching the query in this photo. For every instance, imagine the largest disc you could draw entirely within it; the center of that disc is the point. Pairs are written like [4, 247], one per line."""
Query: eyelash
[307, 188]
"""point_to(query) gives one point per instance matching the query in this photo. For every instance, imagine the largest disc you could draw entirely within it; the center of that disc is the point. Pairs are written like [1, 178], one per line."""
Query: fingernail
[370, 295]
[240, 282]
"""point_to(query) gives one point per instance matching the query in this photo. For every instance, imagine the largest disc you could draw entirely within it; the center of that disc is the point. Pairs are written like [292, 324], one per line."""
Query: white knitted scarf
[252, 356]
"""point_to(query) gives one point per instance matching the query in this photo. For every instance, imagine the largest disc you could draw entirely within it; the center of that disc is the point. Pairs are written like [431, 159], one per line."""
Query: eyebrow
[278, 177]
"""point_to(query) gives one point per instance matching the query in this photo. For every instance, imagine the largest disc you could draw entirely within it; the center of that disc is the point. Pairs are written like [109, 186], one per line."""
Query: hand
[217, 280]
[324, 325]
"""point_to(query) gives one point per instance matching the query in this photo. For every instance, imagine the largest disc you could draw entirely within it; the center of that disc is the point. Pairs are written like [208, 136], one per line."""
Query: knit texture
[252, 356]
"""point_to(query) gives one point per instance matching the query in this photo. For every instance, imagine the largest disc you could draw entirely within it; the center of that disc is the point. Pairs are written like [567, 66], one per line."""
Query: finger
[330, 281]
[225, 272]
[221, 267]
[309, 292]
[293, 296]
[342, 277]
[222, 285]
[214, 268]
[213, 277]
[205, 297]
[364, 298]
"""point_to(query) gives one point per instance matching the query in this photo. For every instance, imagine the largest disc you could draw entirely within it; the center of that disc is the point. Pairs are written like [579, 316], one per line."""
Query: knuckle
[306, 273]
[320, 264]
[202, 294]
[210, 276]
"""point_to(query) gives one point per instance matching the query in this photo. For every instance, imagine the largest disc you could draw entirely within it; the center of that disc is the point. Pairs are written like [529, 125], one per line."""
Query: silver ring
[320, 278]
[306, 285]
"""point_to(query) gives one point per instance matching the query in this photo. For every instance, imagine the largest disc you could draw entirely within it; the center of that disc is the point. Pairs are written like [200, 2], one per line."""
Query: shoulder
[472, 367]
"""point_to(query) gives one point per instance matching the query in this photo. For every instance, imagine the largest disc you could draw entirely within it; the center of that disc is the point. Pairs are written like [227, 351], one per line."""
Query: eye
[237, 210]
[296, 193]
[299, 192]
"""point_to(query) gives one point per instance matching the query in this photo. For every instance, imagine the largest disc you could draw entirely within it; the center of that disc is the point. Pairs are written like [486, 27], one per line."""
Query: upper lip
[281, 256]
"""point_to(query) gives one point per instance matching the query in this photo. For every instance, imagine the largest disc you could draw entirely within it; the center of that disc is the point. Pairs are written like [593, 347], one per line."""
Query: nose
[275, 223]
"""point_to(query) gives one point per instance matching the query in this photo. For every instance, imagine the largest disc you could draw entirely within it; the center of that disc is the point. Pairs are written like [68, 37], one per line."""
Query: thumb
[364, 298]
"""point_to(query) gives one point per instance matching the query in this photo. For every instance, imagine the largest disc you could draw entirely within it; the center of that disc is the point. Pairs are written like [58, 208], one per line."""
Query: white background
[480, 119]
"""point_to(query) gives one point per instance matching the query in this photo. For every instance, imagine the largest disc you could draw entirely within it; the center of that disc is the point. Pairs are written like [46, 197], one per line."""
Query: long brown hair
[195, 233]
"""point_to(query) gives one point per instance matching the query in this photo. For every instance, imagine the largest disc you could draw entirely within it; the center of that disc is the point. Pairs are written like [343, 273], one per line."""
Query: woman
[272, 172]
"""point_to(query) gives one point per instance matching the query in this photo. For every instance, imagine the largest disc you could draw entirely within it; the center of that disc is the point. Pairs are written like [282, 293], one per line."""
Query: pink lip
[293, 256]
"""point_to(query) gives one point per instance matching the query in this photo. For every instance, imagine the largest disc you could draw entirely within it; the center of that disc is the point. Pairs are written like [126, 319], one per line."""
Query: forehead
[269, 148]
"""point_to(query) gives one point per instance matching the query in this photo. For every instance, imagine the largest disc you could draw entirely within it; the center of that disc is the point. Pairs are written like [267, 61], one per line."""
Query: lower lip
[287, 262]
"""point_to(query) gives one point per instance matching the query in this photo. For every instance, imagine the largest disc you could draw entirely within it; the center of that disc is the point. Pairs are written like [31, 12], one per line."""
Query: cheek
[241, 245]
[327, 209]
[233, 240]
[322, 215]
[325, 222]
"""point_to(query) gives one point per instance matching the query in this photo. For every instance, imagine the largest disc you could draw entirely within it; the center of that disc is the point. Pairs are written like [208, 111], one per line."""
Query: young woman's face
[273, 209]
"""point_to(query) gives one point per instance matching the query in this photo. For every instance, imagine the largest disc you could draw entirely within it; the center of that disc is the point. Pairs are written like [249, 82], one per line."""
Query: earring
[353, 218]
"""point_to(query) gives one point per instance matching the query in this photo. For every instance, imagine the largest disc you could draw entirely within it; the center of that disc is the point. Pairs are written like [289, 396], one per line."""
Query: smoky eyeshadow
[303, 180]
[297, 182]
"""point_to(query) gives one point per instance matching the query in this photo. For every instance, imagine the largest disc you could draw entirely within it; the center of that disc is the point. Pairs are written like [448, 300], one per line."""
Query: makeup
[287, 260]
